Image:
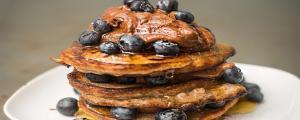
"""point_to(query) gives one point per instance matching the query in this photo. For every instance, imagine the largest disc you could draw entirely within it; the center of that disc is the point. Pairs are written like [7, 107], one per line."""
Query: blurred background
[264, 32]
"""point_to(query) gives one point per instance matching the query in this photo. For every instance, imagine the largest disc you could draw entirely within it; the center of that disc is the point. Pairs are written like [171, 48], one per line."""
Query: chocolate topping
[155, 26]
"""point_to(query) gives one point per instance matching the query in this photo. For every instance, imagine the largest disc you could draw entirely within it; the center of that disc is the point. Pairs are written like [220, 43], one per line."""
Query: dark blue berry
[215, 105]
[129, 43]
[109, 48]
[89, 38]
[101, 26]
[141, 6]
[248, 85]
[171, 114]
[255, 95]
[184, 16]
[233, 75]
[168, 5]
[125, 80]
[98, 78]
[166, 48]
[67, 106]
[129, 2]
[157, 80]
[76, 91]
[122, 113]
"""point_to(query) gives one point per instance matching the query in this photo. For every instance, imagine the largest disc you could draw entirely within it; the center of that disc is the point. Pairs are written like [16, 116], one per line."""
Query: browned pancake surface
[211, 73]
[90, 60]
[179, 95]
[102, 113]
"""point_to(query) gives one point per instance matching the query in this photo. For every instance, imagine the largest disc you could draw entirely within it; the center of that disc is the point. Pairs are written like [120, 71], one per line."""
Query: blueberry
[125, 80]
[98, 78]
[122, 113]
[248, 85]
[184, 16]
[168, 5]
[76, 91]
[129, 43]
[233, 75]
[157, 80]
[255, 95]
[67, 106]
[109, 48]
[141, 6]
[166, 48]
[129, 2]
[101, 26]
[89, 38]
[215, 105]
[171, 114]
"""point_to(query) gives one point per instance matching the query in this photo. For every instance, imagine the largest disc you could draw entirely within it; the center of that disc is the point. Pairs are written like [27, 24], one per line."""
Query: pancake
[90, 60]
[212, 73]
[182, 99]
[102, 113]
[194, 73]
[179, 95]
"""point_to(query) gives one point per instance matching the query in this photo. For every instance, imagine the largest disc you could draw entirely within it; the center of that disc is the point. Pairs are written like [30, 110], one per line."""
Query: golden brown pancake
[181, 99]
[90, 60]
[179, 95]
[212, 73]
[103, 113]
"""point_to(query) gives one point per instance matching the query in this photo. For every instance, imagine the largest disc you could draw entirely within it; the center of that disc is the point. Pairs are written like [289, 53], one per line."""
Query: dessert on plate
[140, 62]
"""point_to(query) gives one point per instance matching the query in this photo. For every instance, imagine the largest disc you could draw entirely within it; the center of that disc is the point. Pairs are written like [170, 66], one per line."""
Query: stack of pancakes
[194, 75]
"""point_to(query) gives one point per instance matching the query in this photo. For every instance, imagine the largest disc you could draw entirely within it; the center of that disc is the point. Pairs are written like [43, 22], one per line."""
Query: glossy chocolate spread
[155, 26]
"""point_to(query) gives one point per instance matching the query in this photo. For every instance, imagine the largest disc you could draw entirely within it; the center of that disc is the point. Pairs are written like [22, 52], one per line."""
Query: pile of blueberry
[90, 38]
[129, 114]
[95, 78]
[133, 43]
[235, 76]
[254, 93]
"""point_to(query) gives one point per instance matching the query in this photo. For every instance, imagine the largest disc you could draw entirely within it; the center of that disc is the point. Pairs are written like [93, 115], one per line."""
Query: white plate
[35, 100]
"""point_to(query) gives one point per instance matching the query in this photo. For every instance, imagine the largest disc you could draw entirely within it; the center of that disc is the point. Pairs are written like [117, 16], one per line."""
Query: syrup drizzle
[242, 107]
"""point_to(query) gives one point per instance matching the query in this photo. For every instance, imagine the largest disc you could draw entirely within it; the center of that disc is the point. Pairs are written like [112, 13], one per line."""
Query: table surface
[263, 32]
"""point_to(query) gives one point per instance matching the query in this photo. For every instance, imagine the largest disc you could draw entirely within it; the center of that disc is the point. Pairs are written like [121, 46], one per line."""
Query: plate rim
[19, 90]
[41, 75]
